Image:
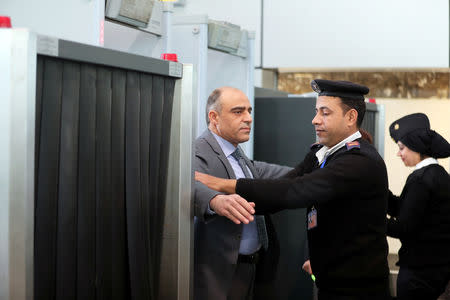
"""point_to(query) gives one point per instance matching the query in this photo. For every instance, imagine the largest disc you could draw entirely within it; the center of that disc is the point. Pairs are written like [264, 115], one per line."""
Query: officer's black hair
[355, 103]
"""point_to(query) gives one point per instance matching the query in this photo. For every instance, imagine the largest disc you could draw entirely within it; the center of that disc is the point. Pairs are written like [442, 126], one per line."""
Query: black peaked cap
[339, 88]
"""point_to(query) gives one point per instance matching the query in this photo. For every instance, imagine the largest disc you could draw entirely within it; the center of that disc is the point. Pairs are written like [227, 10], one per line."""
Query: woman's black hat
[414, 132]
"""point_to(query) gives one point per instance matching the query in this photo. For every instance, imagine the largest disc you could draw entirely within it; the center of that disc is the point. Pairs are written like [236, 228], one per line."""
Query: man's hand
[234, 207]
[307, 267]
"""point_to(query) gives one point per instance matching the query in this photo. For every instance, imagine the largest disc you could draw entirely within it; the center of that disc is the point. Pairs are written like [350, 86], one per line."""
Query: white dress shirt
[426, 162]
[325, 151]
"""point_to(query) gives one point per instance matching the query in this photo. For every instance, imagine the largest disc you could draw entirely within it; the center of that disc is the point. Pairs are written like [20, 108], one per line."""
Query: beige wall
[437, 111]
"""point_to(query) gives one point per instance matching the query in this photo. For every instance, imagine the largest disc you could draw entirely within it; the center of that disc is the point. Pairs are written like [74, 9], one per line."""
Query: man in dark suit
[230, 243]
[343, 184]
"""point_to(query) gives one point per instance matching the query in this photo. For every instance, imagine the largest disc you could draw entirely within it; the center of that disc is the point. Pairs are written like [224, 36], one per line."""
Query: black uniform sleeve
[393, 204]
[337, 178]
[304, 167]
[412, 212]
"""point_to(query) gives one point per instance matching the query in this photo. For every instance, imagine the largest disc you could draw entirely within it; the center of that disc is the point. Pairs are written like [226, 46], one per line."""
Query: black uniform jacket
[422, 218]
[348, 247]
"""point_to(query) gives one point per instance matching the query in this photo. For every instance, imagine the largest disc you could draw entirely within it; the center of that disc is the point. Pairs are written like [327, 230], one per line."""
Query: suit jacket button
[238, 237]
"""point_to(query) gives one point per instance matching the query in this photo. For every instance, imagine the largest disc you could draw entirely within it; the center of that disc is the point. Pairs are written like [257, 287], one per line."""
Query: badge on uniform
[351, 145]
[312, 218]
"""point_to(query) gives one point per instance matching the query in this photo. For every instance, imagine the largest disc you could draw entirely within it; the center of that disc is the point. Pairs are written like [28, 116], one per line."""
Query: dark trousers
[243, 282]
[422, 284]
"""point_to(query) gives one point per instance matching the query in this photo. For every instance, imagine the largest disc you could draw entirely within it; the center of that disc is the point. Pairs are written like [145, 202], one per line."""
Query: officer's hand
[234, 207]
[307, 267]
[227, 186]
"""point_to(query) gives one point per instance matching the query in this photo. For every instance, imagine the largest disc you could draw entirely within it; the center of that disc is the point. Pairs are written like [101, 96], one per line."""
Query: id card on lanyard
[312, 215]
[312, 218]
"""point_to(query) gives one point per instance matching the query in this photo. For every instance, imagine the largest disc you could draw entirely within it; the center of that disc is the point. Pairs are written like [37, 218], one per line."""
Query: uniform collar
[226, 146]
[325, 151]
[426, 162]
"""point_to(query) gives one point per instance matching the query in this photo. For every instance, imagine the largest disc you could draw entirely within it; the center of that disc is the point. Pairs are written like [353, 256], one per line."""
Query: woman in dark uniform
[420, 217]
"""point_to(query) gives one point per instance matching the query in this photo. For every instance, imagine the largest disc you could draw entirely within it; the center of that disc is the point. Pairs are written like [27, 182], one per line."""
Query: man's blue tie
[260, 222]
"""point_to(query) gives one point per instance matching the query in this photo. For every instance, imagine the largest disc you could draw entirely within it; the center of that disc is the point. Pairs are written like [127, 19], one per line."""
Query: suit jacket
[216, 238]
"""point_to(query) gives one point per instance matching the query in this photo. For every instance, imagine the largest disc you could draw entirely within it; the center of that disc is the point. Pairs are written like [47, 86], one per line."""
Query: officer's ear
[352, 116]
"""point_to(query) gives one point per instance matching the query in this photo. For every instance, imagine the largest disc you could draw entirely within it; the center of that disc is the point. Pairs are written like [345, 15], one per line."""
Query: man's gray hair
[213, 103]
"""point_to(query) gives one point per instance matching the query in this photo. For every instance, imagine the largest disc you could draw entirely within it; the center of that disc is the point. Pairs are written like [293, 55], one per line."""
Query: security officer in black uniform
[343, 184]
[420, 216]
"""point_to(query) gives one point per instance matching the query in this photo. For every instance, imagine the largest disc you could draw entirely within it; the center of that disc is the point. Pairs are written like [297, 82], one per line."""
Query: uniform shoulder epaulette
[354, 144]
[315, 145]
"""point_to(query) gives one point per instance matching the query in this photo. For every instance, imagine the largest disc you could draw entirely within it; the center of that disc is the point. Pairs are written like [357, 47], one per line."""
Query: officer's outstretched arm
[227, 186]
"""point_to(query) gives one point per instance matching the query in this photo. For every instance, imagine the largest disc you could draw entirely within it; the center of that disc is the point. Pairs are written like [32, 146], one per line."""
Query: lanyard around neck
[323, 163]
